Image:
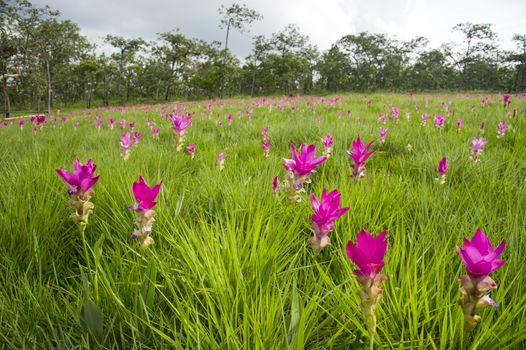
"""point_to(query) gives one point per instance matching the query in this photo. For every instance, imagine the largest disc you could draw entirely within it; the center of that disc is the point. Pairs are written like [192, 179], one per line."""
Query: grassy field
[231, 266]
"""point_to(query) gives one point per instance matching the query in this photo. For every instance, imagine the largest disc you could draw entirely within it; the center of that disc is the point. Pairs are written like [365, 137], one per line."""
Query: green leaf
[92, 321]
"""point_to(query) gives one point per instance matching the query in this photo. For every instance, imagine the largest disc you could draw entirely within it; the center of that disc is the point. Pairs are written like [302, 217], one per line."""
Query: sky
[324, 21]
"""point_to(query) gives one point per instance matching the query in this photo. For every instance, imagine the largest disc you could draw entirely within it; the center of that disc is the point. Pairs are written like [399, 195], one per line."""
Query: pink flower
[304, 163]
[383, 134]
[266, 147]
[264, 133]
[477, 145]
[442, 165]
[131, 125]
[439, 121]
[326, 211]
[180, 123]
[479, 256]
[359, 155]
[144, 195]
[190, 148]
[82, 179]
[327, 141]
[127, 141]
[122, 123]
[459, 124]
[275, 185]
[368, 253]
[502, 128]
[424, 117]
[111, 122]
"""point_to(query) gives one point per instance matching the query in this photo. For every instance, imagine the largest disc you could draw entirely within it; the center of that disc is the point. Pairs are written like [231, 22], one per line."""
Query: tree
[238, 17]
[479, 43]
[128, 48]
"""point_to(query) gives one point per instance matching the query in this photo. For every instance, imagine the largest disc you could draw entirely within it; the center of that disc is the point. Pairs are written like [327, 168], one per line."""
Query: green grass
[231, 267]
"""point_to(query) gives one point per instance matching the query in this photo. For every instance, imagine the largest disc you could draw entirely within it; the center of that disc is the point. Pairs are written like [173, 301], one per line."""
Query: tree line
[46, 62]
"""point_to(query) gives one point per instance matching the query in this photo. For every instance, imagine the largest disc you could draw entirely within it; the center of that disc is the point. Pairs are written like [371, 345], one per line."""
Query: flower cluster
[480, 259]
[326, 211]
[298, 169]
[80, 182]
[359, 155]
[180, 123]
[145, 216]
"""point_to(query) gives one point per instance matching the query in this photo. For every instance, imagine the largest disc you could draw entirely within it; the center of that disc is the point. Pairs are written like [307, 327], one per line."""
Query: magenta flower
[327, 141]
[155, 132]
[459, 124]
[477, 146]
[368, 253]
[264, 133]
[479, 256]
[266, 147]
[21, 123]
[506, 100]
[111, 123]
[326, 211]
[144, 195]
[502, 128]
[122, 123]
[180, 123]
[395, 112]
[480, 259]
[425, 118]
[191, 150]
[221, 160]
[126, 143]
[439, 121]
[359, 155]
[145, 216]
[136, 136]
[383, 134]
[304, 163]
[275, 185]
[442, 165]
[382, 118]
[81, 180]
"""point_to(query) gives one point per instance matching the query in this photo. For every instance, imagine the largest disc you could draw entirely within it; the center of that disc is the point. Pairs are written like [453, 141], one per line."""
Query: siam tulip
[221, 161]
[180, 123]
[368, 254]
[230, 119]
[98, 123]
[298, 169]
[383, 134]
[318, 119]
[155, 132]
[122, 123]
[442, 170]
[126, 144]
[395, 112]
[145, 216]
[111, 123]
[191, 150]
[480, 259]
[275, 185]
[382, 118]
[266, 147]
[326, 211]
[439, 120]
[327, 141]
[21, 123]
[425, 118]
[131, 125]
[459, 124]
[264, 134]
[136, 136]
[359, 155]
[477, 146]
[501, 131]
[482, 128]
[506, 100]
[80, 190]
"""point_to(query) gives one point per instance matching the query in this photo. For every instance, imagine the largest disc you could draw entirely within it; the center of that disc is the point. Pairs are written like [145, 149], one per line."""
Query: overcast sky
[324, 21]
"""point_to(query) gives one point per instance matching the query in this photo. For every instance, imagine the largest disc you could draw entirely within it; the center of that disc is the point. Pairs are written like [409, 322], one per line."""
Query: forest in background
[46, 63]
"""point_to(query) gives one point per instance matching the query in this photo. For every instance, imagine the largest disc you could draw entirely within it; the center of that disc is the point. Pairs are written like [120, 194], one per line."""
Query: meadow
[231, 266]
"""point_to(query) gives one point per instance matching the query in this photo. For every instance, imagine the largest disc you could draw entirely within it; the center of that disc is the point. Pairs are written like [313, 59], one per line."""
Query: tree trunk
[49, 91]
[7, 105]
[169, 85]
